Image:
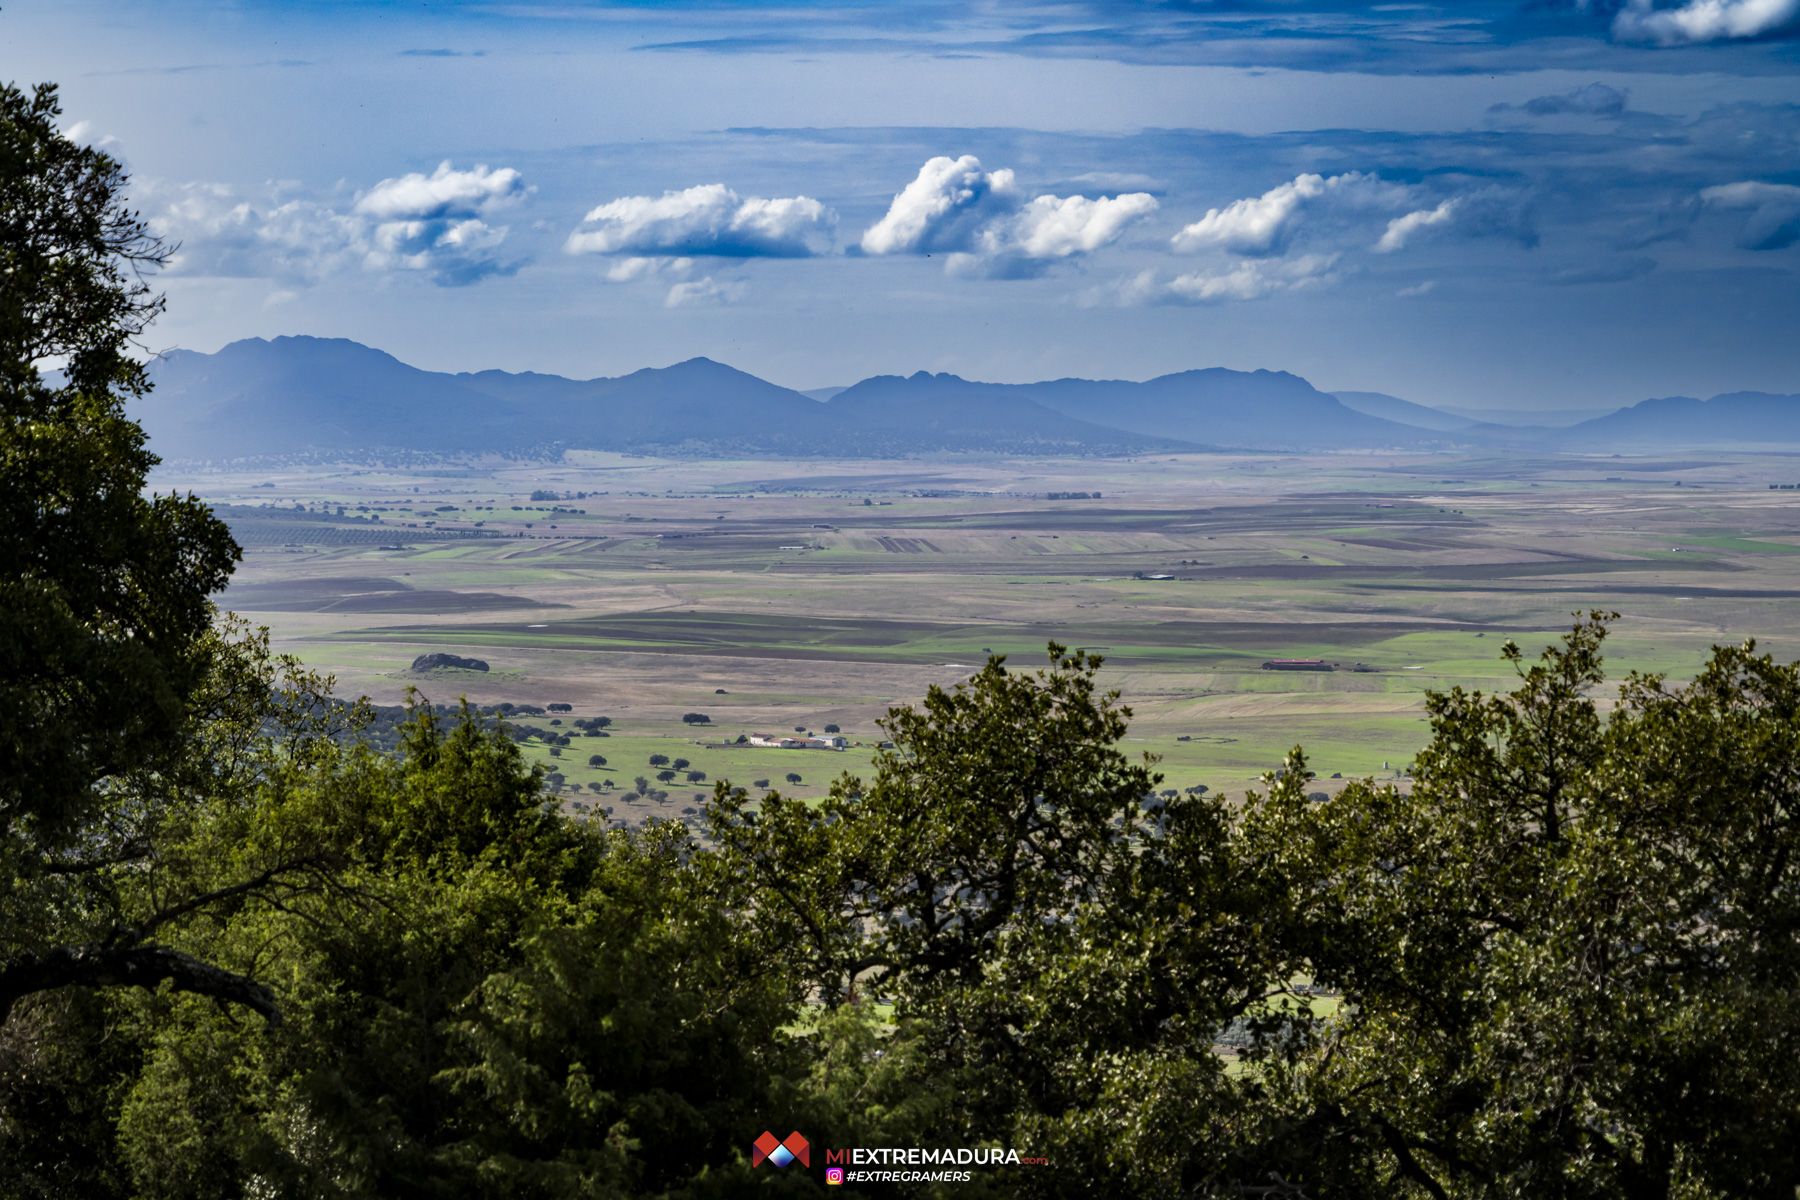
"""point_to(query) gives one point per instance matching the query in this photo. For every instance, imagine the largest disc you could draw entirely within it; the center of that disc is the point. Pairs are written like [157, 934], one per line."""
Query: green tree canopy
[1570, 952]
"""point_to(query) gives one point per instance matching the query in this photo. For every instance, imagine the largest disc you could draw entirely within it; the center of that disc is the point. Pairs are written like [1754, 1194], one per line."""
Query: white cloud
[1774, 209]
[943, 209]
[416, 222]
[1248, 279]
[1699, 21]
[1268, 224]
[435, 222]
[1251, 280]
[990, 229]
[706, 290]
[707, 220]
[445, 194]
[1417, 289]
[629, 270]
[1401, 228]
[1053, 227]
[221, 233]
[84, 133]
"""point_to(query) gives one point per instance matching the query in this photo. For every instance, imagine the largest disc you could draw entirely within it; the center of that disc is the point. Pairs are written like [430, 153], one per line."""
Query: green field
[774, 595]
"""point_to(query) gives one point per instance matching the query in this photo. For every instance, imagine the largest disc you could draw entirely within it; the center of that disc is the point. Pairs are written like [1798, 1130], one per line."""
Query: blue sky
[1524, 203]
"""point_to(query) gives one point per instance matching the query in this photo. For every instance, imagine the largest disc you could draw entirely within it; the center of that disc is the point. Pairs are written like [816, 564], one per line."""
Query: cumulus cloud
[943, 209]
[1334, 208]
[1700, 21]
[630, 270]
[434, 223]
[987, 226]
[1402, 228]
[1774, 209]
[438, 223]
[707, 220]
[221, 233]
[706, 290]
[1250, 279]
[1267, 224]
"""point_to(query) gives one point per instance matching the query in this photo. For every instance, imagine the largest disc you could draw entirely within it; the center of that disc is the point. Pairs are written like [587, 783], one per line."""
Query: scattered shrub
[556, 752]
[720, 692]
[560, 707]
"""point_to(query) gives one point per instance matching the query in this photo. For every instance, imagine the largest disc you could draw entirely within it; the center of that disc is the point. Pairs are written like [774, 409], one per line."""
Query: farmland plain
[779, 595]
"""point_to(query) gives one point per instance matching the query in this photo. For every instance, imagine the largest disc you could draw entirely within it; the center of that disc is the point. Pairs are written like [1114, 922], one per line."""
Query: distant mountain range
[304, 396]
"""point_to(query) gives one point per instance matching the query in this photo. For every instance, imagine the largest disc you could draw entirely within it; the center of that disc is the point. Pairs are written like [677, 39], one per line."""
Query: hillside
[1732, 419]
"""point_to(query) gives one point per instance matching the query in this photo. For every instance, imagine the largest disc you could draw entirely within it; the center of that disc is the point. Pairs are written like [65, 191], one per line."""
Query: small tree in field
[596, 760]
[659, 760]
[793, 777]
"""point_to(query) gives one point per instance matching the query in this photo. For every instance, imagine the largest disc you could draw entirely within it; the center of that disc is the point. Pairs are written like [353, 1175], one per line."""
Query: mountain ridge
[297, 395]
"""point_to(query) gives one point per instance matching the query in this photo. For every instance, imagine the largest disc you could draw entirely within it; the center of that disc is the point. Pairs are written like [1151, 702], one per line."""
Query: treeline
[244, 952]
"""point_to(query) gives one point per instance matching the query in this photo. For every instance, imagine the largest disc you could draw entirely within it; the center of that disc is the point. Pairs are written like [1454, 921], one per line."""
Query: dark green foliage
[596, 760]
[491, 1002]
[1063, 963]
[1570, 950]
[659, 760]
[103, 591]
[695, 718]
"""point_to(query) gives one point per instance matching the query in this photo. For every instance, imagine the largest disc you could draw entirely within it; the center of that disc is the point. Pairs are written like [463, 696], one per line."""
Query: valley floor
[781, 596]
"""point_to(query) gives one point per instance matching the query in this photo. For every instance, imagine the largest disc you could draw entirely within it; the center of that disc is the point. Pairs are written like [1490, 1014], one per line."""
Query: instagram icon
[834, 1174]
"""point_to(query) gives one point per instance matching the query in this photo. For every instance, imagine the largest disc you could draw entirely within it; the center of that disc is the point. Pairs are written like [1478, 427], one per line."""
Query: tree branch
[135, 966]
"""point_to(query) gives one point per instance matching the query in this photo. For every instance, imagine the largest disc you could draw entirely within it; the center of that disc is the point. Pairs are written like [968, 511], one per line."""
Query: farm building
[778, 742]
[1297, 664]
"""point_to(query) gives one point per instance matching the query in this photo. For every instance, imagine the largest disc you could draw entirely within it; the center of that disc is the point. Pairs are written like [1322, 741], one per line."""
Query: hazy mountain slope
[1732, 419]
[303, 395]
[970, 415]
[1267, 410]
[298, 395]
[1534, 418]
[1392, 408]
